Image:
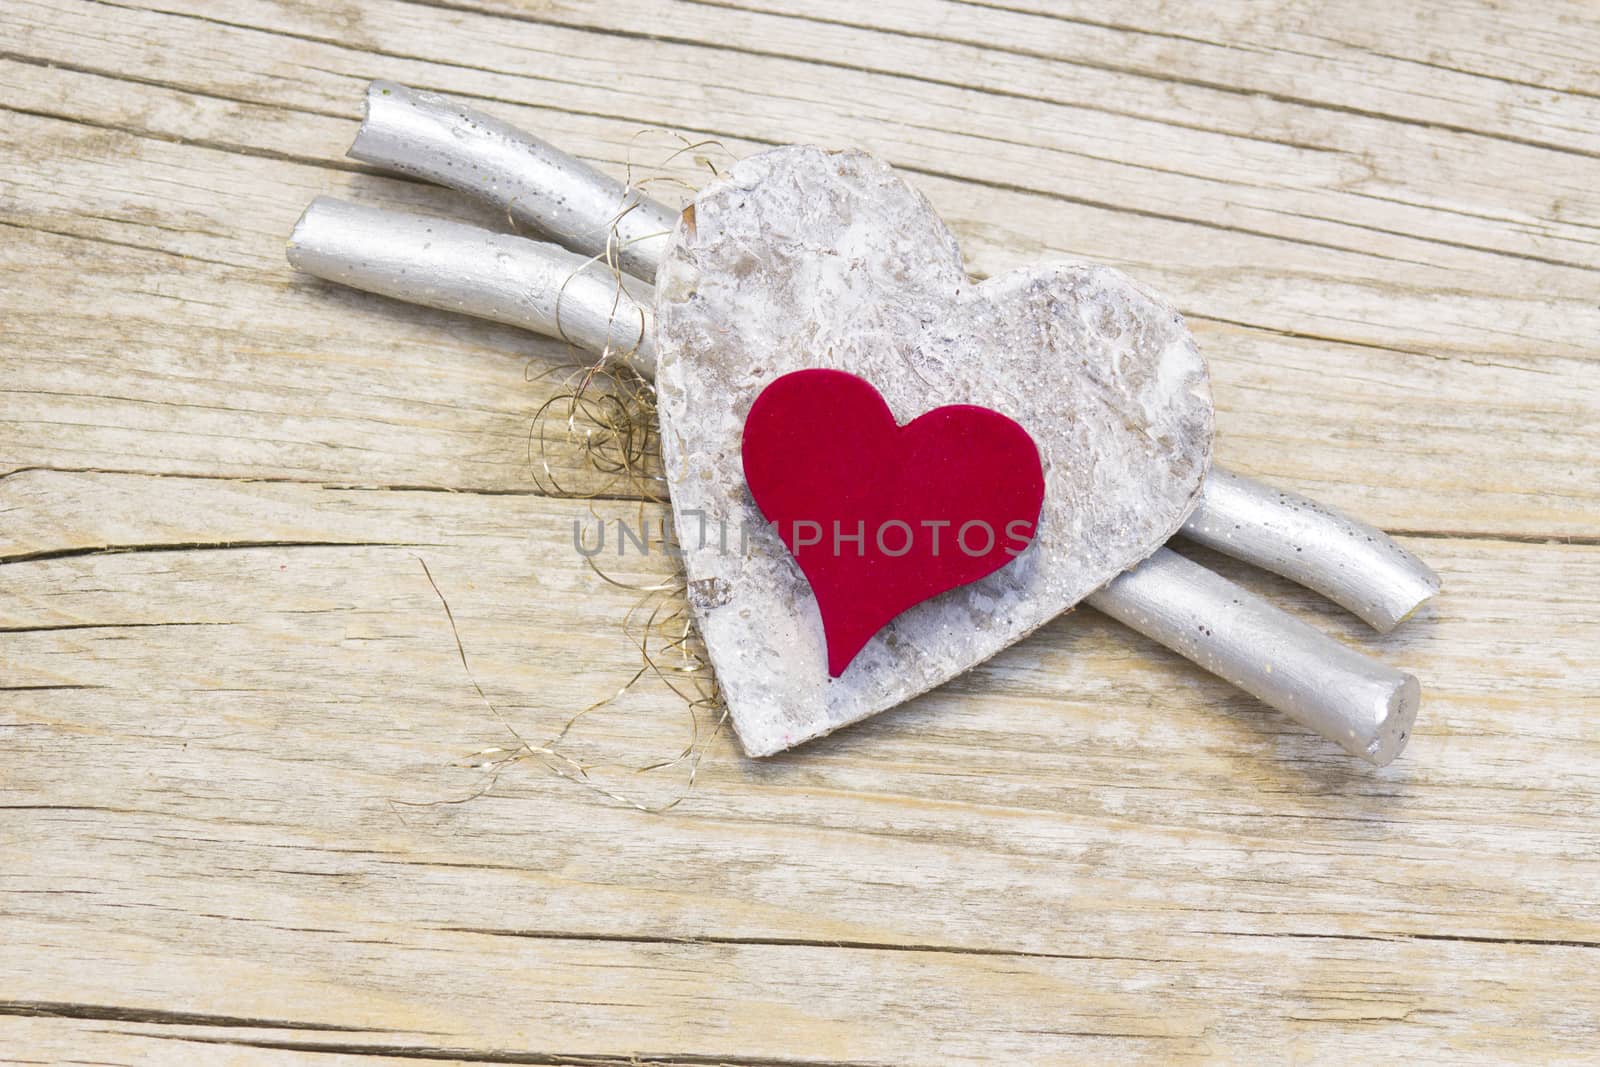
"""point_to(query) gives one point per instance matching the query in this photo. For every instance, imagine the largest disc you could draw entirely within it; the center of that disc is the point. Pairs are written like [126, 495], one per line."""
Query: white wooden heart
[800, 258]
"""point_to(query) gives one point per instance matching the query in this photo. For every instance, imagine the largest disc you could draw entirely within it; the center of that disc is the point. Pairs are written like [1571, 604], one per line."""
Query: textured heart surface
[800, 258]
[880, 516]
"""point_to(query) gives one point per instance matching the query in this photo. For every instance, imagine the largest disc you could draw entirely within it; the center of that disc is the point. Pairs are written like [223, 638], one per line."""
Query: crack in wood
[798, 942]
[55, 627]
[113, 243]
[1085, 105]
[199, 142]
[157, 83]
[465, 1054]
[44, 688]
[197, 546]
[51, 1009]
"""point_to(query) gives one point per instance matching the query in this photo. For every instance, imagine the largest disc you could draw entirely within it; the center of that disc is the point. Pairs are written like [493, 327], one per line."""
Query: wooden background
[224, 676]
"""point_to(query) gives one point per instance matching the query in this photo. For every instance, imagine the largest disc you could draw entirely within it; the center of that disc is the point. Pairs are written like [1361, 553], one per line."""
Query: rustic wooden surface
[225, 674]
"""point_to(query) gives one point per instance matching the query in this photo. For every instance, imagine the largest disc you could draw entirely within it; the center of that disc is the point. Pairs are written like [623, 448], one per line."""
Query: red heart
[951, 496]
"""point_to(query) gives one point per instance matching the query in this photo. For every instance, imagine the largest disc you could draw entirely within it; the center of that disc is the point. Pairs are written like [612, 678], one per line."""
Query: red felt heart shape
[880, 516]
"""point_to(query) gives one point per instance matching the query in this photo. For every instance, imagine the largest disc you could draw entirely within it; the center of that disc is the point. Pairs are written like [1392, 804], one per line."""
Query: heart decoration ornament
[811, 263]
[800, 259]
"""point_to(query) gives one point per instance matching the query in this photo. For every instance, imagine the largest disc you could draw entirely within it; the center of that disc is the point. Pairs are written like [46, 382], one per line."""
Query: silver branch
[440, 140]
[453, 266]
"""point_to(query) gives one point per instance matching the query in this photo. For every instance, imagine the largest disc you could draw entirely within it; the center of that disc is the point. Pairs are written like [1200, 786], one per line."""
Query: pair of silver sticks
[596, 293]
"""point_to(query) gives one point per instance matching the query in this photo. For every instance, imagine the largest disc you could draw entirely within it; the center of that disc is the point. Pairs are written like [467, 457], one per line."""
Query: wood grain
[230, 697]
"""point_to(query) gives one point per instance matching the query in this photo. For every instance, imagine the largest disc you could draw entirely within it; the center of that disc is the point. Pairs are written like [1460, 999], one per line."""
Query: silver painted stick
[1354, 565]
[457, 267]
[1365, 706]
[440, 140]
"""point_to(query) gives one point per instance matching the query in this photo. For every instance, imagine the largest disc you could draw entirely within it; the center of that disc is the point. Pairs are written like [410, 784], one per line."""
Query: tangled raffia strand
[609, 413]
[678, 661]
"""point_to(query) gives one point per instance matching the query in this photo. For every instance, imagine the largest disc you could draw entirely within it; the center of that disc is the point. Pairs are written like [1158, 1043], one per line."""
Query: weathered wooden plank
[1306, 181]
[222, 678]
[1378, 428]
[1128, 869]
[799, 1004]
[1427, 66]
[1055, 103]
[1529, 43]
